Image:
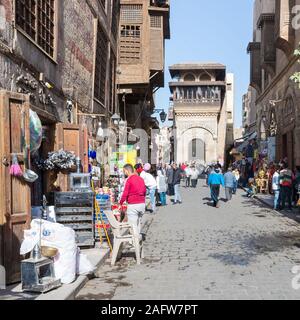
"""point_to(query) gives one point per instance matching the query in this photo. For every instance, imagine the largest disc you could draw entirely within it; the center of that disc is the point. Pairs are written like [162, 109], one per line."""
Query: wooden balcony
[254, 48]
[266, 23]
[204, 102]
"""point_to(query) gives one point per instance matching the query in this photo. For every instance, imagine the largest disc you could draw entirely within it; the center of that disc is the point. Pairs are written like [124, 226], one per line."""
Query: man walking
[215, 181]
[194, 177]
[276, 187]
[286, 183]
[170, 176]
[151, 185]
[134, 195]
[188, 176]
[176, 183]
[230, 182]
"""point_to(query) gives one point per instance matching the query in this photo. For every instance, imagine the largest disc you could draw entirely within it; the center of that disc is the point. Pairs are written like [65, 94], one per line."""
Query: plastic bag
[57, 236]
[36, 132]
[83, 264]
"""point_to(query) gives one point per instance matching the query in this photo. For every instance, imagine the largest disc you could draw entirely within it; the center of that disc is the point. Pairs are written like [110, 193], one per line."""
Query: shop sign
[126, 155]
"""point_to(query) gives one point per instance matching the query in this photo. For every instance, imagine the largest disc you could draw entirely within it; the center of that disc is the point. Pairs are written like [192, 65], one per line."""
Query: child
[251, 191]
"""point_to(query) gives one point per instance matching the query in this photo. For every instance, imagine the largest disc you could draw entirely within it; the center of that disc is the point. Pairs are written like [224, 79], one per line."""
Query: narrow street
[194, 251]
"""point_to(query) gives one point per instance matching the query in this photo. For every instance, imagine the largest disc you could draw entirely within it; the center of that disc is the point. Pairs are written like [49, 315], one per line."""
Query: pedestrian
[170, 176]
[276, 187]
[236, 173]
[230, 182]
[286, 183]
[134, 195]
[162, 187]
[188, 176]
[215, 181]
[208, 171]
[194, 177]
[176, 183]
[151, 185]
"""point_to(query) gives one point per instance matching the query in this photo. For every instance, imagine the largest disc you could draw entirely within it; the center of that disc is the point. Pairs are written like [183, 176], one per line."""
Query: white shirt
[194, 174]
[276, 182]
[161, 182]
[188, 171]
[149, 180]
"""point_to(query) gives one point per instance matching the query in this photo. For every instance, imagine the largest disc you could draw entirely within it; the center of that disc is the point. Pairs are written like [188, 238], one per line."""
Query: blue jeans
[235, 187]
[163, 198]
[152, 193]
[177, 193]
[276, 199]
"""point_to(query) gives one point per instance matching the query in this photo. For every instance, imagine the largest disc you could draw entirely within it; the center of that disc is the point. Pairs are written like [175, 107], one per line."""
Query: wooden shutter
[72, 138]
[15, 206]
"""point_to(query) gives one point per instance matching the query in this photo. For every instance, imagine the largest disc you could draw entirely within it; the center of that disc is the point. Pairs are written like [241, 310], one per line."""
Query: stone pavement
[193, 251]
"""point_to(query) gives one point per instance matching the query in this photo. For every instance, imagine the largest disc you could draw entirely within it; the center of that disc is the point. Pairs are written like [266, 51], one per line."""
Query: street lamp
[162, 114]
[116, 119]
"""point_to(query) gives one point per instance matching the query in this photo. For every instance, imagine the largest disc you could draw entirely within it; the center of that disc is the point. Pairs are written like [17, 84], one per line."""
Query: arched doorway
[197, 150]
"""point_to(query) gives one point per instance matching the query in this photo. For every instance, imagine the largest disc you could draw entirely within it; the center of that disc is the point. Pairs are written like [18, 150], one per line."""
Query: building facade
[249, 112]
[59, 59]
[144, 27]
[276, 100]
[203, 104]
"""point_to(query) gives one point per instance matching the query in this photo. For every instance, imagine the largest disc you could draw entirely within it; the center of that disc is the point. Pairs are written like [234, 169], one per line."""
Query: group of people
[286, 186]
[142, 180]
[216, 179]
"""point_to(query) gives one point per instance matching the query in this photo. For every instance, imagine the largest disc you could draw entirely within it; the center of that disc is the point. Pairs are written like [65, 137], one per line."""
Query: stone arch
[189, 77]
[205, 77]
[207, 147]
[206, 128]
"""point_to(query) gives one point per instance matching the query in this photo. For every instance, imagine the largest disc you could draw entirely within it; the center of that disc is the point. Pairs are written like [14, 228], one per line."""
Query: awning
[248, 138]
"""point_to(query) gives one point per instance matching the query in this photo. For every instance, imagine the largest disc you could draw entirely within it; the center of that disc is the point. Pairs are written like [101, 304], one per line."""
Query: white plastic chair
[124, 233]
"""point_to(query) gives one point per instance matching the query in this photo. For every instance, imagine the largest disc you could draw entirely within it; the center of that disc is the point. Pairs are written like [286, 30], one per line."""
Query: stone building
[249, 112]
[276, 101]
[144, 27]
[58, 58]
[203, 104]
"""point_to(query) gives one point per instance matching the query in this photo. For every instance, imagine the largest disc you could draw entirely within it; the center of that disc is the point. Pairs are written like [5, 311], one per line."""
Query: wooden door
[15, 206]
[73, 138]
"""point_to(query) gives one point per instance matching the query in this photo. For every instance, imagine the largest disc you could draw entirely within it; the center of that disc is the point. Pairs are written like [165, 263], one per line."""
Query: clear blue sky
[211, 30]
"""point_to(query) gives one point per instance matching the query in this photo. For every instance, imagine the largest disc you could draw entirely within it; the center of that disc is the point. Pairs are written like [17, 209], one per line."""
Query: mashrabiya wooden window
[37, 19]
[131, 13]
[101, 65]
[130, 33]
[156, 22]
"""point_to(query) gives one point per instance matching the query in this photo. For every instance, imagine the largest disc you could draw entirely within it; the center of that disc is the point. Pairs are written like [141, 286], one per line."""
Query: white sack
[57, 236]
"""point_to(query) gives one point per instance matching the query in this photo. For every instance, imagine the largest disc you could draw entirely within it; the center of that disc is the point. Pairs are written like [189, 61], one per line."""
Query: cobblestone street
[194, 251]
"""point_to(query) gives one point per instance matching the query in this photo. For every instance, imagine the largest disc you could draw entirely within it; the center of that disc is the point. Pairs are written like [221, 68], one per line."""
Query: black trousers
[215, 193]
[188, 182]
[194, 183]
[286, 196]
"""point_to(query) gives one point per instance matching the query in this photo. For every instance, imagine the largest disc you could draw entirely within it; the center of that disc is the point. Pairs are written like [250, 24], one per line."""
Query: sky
[211, 30]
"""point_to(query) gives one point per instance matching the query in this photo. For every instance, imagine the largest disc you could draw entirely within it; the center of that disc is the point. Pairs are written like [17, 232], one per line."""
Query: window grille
[132, 13]
[101, 65]
[130, 44]
[37, 19]
[112, 81]
[156, 22]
